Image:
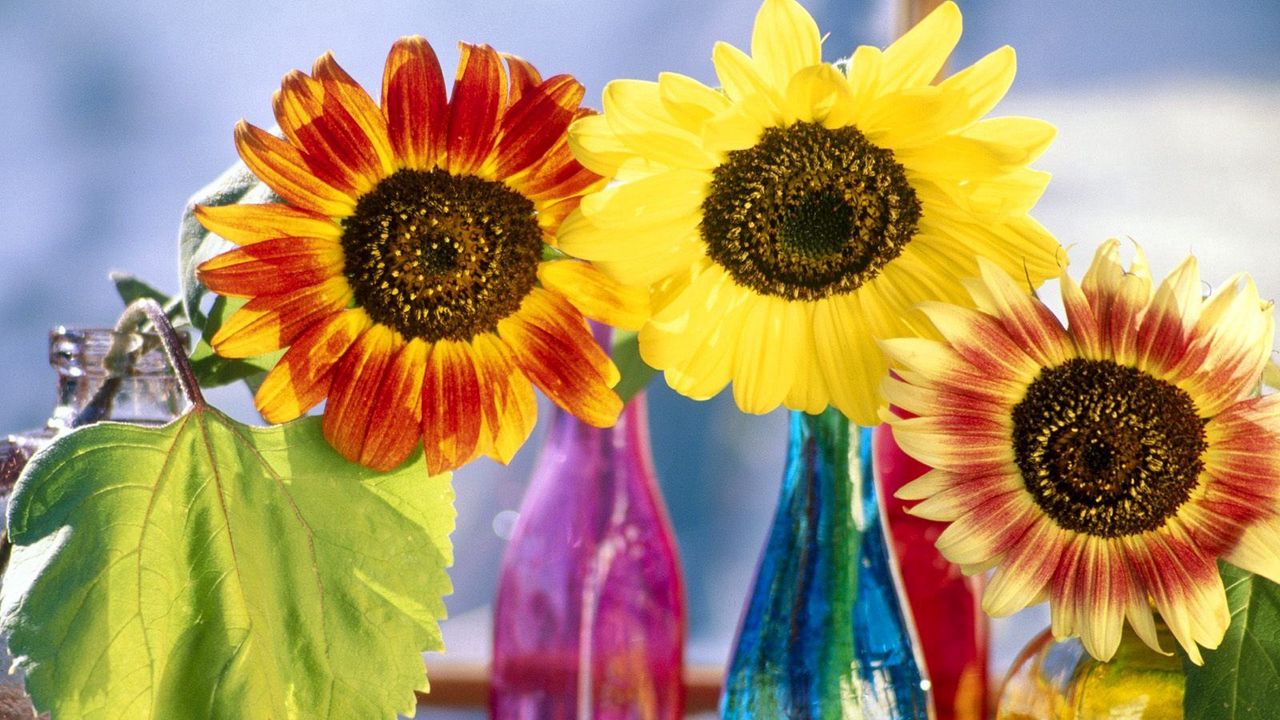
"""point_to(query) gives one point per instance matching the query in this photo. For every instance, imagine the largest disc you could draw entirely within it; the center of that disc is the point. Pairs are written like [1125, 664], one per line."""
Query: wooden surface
[911, 12]
[467, 685]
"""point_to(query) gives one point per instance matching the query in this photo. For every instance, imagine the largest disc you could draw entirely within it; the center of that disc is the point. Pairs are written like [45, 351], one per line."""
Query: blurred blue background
[114, 113]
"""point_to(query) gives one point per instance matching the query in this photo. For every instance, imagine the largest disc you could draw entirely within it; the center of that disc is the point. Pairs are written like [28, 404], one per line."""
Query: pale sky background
[114, 113]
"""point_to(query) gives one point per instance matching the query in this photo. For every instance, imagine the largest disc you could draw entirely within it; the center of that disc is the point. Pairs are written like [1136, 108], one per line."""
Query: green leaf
[130, 288]
[209, 569]
[211, 369]
[1241, 679]
[636, 374]
[195, 244]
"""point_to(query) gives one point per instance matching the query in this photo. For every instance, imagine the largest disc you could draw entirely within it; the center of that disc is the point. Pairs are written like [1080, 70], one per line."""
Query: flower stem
[148, 309]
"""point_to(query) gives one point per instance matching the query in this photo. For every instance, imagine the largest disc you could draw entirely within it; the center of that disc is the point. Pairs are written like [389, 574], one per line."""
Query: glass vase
[135, 383]
[825, 633]
[1060, 681]
[589, 622]
[946, 606]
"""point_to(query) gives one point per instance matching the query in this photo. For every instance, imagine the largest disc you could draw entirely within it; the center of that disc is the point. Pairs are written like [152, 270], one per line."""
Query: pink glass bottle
[944, 603]
[589, 622]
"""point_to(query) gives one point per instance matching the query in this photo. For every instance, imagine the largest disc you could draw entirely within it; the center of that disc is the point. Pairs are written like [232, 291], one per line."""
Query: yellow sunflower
[1106, 466]
[405, 272]
[786, 221]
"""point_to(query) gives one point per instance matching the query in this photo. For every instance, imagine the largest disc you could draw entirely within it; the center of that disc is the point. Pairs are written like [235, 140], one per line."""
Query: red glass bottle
[945, 605]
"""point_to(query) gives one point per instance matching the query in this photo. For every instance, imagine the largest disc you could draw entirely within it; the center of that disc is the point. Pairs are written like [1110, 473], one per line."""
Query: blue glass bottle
[825, 633]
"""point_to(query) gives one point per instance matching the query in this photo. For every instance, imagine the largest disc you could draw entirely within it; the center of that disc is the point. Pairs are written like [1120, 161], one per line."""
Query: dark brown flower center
[440, 256]
[1106, 449]
[808, 212]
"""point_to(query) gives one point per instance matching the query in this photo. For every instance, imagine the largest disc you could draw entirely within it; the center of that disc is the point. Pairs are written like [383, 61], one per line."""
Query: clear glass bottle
[589, 622]
[1060, 681]
[135, 383]
[826, 633]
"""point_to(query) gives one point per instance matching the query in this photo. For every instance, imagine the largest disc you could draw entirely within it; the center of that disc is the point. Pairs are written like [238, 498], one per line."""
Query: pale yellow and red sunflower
[407, 270]
[1106, 466]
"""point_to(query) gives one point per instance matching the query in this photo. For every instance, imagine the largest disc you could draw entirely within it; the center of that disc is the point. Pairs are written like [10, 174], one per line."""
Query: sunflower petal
[535, 123]
[979, 87]
[764, 366]
[511, 408]
[689, 103]
[1027, 568]
[357, 392]
[248, 224]
[638, 117]
[272, 267]
[919, 55]
[784, 40]
[270, 322]
[595, 295]
[554, 347]
[453, 406]
[816, 92]
[301, 378]
[524, 77]
[283, 169]
[478, 101]
[414, 103]
[331, 140]
[740, 76]
[393, 427]
[352, 98]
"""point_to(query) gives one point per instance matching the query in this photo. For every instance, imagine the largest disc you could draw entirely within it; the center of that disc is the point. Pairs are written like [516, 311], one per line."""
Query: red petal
[332, 143]
[248, 224]
[558, 175]
[554, 346]
[511, 409]
[272, 267]
[524, 77]
[393, 429]
[270, 322]
[357, 392]
[413, 101]
[479, 98]
[453, 407]
[348, 93]
[284, 170]
[301, 378]
[536, 123]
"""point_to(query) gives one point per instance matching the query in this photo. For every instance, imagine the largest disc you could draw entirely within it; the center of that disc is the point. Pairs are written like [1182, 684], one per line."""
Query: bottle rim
[79, 351]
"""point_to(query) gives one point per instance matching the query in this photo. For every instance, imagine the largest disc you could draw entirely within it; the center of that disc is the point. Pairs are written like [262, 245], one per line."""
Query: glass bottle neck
[105, 375]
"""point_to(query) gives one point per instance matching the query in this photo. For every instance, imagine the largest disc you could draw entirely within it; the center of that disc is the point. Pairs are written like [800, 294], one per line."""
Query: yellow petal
[851, 364]
[979, 87]
[917, 57]
[689, 102]
[784, 40]
[863, 73]
[739, 126]
[647, 201]
[740, 76]
[636, 114]
[1013, 139]
[596, 296]
[816, 92]
[809, 387]
[705, 351]
[763, 367]
[596, 146]
[909, 118]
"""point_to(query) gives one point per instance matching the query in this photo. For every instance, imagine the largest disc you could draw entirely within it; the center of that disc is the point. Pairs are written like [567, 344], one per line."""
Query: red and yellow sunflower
[1105, 466]
[407, 271]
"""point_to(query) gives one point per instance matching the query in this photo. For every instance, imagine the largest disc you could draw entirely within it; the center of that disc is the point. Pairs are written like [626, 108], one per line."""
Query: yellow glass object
[1060, 681]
